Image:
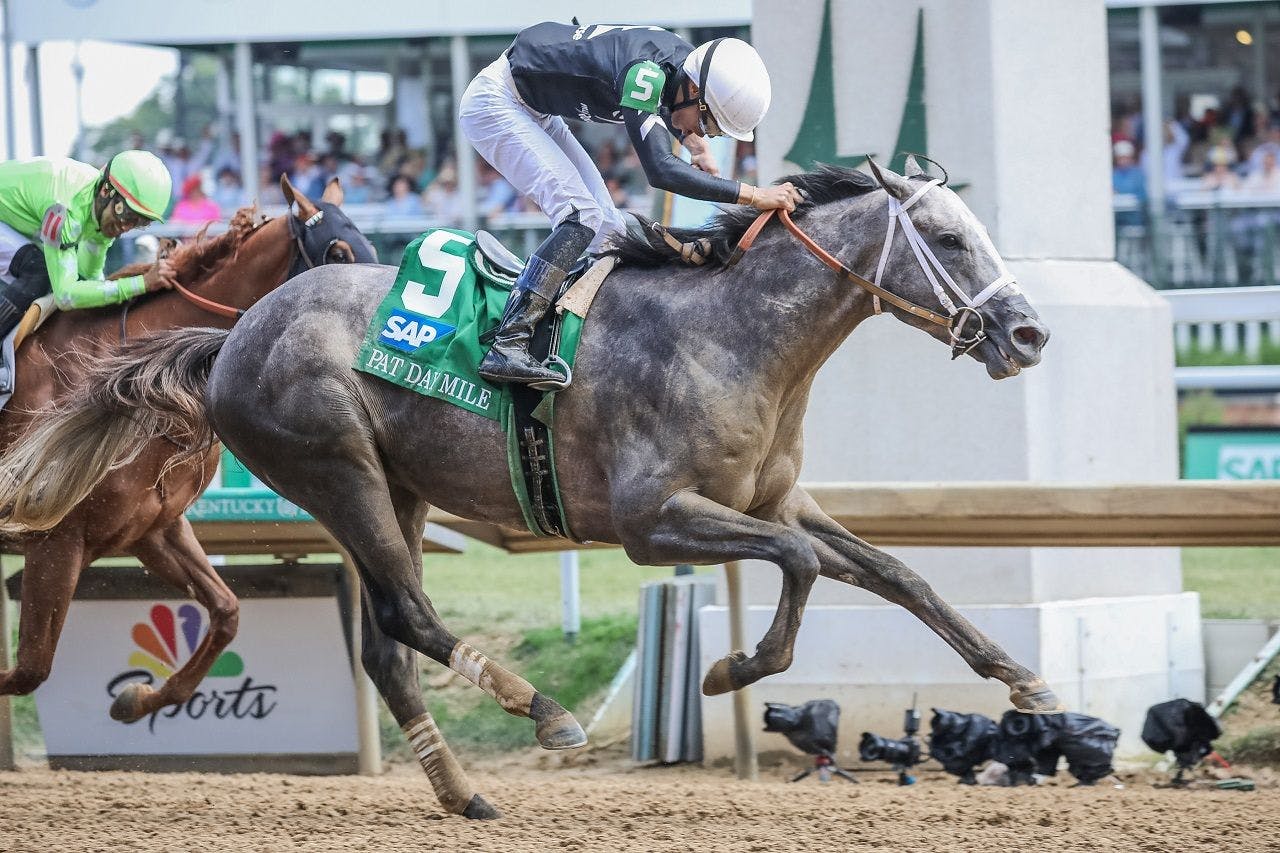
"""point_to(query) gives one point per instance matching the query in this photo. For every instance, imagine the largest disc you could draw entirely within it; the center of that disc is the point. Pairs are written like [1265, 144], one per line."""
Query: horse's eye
[949, 241]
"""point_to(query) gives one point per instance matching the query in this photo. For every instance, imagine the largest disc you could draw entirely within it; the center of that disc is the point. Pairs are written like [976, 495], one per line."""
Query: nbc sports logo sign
[158, 643]
[283, 687]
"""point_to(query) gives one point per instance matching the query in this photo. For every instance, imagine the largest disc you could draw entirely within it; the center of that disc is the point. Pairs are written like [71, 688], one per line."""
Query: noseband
[960, 318]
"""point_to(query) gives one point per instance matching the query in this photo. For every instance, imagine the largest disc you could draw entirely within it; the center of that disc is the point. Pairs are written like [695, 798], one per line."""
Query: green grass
[572, 673]
[1234, 583]
[1269, 353]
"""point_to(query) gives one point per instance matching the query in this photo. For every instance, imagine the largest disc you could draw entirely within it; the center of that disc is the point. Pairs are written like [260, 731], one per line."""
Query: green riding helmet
[142, 180]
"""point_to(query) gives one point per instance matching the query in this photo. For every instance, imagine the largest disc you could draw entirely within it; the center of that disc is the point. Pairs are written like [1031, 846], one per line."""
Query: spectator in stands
[194, 206]
[404, 199]
[392, 151]
[1220, 175]
[1270, 144]
[496, 195]
[1176, 140]
[441, 198]
[269, 192]
[280, 157]
[1265, 180]
[228, 192]
[617, 192]
[356, 186]
[305, 174]
[227, 154]
[1127, 178]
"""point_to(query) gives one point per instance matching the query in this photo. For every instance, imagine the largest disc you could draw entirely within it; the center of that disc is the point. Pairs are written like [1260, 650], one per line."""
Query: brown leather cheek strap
[749, 238]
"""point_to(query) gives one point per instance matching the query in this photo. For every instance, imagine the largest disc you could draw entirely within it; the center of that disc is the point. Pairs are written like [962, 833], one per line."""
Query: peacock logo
[158, 643]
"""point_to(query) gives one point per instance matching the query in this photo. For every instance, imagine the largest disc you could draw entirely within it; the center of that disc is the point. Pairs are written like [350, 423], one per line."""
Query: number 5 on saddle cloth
[432, 330]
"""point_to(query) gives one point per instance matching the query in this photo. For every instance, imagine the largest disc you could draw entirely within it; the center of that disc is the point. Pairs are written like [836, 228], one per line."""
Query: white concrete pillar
[247, 119]
[1015, 105]
[1152, 105]
[10, 140]
[460, 66]
[33, 97]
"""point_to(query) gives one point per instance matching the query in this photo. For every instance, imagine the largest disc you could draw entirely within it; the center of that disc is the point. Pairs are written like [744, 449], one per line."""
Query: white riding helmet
[735, 84]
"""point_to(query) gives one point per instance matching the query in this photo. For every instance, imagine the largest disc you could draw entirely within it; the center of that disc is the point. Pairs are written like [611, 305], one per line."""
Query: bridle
[959, 318]
[302, 261]
[300, 231]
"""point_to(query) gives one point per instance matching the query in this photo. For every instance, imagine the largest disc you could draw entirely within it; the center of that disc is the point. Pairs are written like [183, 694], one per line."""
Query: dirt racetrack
[608, 809]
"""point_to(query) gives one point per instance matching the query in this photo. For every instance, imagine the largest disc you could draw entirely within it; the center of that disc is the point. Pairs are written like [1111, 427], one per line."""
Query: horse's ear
[912, 167]
[333, 192]
[286, 188]
[890, 181]
[293, 195]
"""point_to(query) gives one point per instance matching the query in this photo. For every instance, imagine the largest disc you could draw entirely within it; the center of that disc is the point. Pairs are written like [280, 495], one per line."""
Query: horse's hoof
[561, 732]
[719, 679]
[129, 706]
[1036, 697]
[479, 809]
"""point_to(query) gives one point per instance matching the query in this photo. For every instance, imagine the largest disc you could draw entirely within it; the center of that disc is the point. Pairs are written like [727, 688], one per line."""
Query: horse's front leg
[846, 558]
[173, 554]
[53, 564]
[691, 528]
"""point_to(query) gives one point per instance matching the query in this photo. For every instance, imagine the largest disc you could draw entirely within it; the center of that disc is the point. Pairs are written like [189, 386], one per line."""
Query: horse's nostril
[1030, 336]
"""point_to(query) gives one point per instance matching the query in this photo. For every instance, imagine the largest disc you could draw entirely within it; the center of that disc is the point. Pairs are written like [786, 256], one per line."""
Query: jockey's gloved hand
[161, 276]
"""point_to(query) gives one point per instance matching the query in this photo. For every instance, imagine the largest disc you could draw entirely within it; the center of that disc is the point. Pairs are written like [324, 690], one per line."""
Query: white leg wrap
[447, 778]
[512, 692]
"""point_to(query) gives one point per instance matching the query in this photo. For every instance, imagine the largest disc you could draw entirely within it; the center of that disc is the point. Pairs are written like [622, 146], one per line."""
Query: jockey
[58, 217]
[646, 78]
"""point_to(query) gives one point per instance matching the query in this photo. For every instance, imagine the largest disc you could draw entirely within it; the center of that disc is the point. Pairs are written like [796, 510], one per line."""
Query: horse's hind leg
[52, 568]
[174, 554]
[393, 668]
[694, 529]
[350, 496]
[846, 558]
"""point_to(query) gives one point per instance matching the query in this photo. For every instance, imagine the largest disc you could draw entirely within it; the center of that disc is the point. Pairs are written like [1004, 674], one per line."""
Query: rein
[961, 342]
[302, 257]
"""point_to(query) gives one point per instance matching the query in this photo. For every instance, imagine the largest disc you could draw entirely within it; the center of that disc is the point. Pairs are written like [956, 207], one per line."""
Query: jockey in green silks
[58, 217]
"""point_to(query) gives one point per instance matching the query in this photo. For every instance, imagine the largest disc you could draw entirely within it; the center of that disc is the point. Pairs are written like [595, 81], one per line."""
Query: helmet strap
[700, 100]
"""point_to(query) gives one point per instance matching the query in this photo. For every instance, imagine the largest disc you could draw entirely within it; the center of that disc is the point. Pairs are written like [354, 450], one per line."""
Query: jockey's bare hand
[783, 195]
[161, 276]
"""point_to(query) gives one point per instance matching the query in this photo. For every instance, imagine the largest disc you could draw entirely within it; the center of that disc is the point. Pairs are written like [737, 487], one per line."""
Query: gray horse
[680, 438]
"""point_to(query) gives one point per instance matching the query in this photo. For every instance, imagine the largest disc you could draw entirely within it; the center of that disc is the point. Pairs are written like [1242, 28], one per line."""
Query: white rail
[1232, 319]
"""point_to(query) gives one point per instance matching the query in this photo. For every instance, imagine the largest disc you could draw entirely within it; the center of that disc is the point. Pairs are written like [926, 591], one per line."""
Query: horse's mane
[824, 184]
[194, 260]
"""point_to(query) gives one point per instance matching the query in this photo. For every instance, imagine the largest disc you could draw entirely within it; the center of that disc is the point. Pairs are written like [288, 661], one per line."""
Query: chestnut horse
[138, 509]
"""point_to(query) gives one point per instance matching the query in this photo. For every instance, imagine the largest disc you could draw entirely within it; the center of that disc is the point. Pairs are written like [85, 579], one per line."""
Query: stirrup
[554, 362]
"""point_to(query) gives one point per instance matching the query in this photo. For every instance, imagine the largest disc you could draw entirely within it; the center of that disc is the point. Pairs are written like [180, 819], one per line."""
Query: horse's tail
[153, 387]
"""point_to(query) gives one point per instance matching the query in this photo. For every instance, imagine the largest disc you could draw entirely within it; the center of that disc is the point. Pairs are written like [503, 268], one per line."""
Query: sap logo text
[407, 331]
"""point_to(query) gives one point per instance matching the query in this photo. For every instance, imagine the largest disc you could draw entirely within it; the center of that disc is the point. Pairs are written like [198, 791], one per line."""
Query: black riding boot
[31, 281]
[509, 359]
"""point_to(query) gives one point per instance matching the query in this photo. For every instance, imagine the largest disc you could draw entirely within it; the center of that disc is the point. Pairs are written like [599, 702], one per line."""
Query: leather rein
[302, 256]
[960, 316]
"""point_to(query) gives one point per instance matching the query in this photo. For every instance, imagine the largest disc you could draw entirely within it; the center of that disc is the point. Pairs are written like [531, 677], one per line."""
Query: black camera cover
[810, 727]
[1032, 743]
[960, 742]
[1182, 727]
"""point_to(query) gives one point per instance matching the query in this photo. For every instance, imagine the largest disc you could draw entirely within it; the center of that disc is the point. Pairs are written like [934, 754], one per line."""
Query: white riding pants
[10, 242]
[536, 153]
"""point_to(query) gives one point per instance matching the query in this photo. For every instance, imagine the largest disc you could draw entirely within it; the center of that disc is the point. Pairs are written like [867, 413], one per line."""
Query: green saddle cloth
[426, 333]
[425, 336]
